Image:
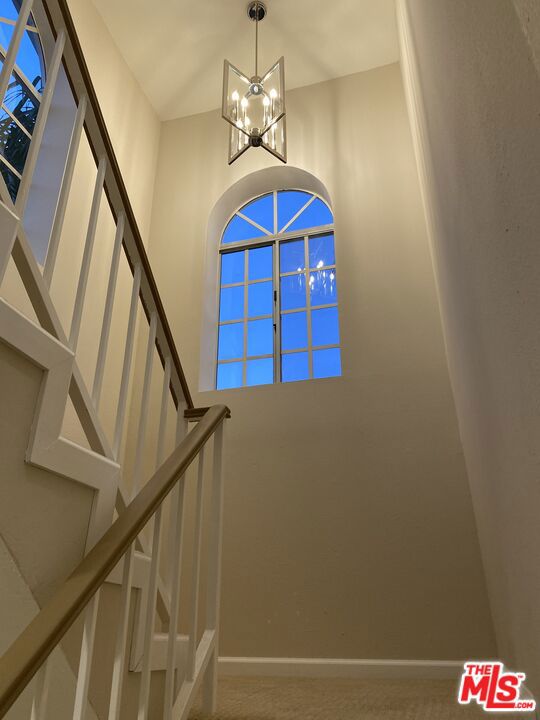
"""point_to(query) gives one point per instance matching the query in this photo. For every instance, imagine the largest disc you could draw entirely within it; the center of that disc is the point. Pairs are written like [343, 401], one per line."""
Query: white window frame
[274, 240]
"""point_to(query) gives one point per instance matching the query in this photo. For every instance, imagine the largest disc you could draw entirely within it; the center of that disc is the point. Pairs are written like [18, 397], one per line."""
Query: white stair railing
[80, 595]
[125, 553]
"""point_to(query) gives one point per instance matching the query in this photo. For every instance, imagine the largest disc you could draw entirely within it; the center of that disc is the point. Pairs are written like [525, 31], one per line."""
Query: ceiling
[176, 49]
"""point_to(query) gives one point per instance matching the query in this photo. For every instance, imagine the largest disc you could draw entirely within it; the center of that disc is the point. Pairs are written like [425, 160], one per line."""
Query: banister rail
[101, 146]
[32, 648]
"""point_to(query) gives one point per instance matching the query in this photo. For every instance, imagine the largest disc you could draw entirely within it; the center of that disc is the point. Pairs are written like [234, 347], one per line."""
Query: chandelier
[255, 106]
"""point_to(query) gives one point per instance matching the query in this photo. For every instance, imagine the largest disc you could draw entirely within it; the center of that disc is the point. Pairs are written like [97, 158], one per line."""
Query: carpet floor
[284, 699]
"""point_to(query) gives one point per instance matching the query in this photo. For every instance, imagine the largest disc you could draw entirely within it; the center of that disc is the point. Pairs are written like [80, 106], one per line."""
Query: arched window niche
[270, 310]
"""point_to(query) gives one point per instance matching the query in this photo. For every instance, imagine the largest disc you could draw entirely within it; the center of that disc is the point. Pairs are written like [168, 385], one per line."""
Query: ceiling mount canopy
[256, 10]
[255, 105]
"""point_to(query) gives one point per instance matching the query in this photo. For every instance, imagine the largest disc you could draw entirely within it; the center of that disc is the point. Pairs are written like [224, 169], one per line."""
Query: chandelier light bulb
[266, 101]
[235, 96]
[273, 93]
[244, 102]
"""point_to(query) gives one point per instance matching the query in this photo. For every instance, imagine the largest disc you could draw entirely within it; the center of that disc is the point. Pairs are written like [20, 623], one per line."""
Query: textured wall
[529, 15]
[348, 521]
[481, 105]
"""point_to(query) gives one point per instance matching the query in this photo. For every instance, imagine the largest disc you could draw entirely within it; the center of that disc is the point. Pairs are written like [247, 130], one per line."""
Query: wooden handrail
[26, 655]
[195, 414]
[81, 84]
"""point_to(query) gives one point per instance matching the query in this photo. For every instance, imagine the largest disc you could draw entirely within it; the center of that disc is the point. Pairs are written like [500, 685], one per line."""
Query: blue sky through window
[239, 229]
[295, 367]
[261, 211]
[316, 214]
[260, 263]
[289, 203]
[232, 268]
[260, 372]
[326, 363]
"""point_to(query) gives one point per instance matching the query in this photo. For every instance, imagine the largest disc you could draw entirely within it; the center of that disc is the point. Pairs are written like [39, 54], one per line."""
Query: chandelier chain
[256, 39]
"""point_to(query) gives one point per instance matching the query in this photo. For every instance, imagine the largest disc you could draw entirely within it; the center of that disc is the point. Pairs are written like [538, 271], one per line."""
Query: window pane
[260, 299]
[289, 203]
[293, 292]
[232, 268]
[325, 327]
[8, 10]
[260, 372]
[6, 31]
[260, 263]
[316, 214]
[231, 341]
[260, 337]
[323, 287]
[29, 54]
[239, 229]
[294, 367]
[229, 375]
[11, 180]
[28, 58]
[292, 257]
[294, 331]
[231, 304]
[321, 251]
[326, 363]
[14, 143]
[261, 211]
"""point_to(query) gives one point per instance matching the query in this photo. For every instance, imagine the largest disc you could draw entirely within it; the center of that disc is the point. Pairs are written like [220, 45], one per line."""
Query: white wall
[478, 113]
[348, 522]
[529, 15]
[131, 121]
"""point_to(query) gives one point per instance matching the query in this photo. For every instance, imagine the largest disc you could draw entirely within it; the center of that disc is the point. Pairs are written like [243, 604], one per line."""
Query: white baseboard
[334, 668]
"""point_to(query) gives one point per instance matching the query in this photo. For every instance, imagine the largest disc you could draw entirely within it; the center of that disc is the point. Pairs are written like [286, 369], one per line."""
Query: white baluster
[85, 663]
[144, 692]
[195, 572]
[13, 49]
[175, 555]
[39, 128]
[67, 178]
[145, 401]
[41, 692]
[107, 313]
[128, 355]
[213, 588]
[87, 255]
[165, 394]
[115, 703]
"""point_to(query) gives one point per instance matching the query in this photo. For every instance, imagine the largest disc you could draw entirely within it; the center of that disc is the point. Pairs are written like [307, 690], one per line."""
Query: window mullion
[244, 363]
[277, 315]
[308, 306]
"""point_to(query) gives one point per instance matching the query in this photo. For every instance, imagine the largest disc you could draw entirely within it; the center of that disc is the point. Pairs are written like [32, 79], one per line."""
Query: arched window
[278, 308]
[20, 105]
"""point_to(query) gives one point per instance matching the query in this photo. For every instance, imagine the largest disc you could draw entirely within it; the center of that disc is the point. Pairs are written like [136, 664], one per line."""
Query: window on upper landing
[278, 306]
[21, 103]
